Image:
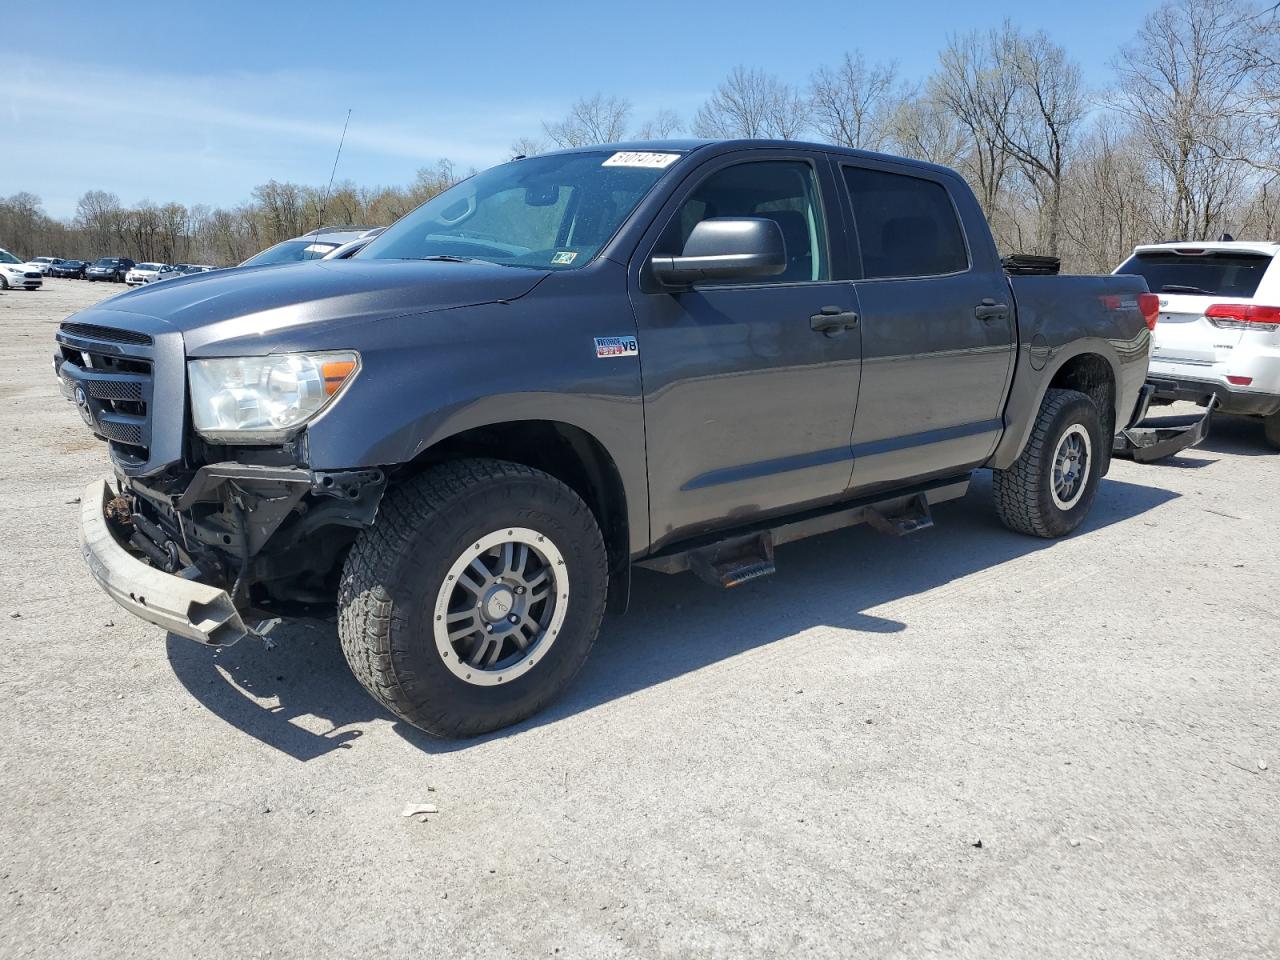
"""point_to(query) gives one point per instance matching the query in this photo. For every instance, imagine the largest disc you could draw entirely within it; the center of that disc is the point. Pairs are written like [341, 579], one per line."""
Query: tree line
[1183, 144]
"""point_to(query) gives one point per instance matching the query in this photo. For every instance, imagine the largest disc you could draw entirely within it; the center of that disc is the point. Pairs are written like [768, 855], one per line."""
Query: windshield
[1211, 273]
[105, 262]
[149, 266]
[291, 251]
[553, 211]
[7, 257]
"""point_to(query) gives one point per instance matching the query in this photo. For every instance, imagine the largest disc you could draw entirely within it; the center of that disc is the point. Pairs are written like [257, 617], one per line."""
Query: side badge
[616, 347]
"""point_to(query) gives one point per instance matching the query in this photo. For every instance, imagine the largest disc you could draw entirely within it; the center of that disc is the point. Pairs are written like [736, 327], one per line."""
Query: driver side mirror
[725, 248]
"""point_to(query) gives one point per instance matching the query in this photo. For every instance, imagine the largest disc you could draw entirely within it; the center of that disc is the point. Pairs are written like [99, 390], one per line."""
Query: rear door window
[1210, 273]
[907, 226]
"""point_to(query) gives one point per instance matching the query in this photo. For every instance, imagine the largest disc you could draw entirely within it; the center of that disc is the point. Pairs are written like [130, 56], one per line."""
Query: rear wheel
[475, 597]
[1049, 489]
[1271, 427]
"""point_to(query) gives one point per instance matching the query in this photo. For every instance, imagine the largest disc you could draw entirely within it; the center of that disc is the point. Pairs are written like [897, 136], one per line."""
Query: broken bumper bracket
[1154, 438]
[188, 608]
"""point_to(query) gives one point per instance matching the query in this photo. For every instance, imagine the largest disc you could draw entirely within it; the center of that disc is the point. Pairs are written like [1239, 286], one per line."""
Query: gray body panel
[734, 409]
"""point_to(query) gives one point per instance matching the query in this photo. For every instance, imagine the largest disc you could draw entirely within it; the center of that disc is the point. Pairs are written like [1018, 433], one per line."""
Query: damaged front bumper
[179, 605]
[1148, 439]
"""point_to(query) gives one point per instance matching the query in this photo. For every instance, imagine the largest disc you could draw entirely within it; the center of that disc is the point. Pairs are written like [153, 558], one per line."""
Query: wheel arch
[565, 451]
[1089, 368]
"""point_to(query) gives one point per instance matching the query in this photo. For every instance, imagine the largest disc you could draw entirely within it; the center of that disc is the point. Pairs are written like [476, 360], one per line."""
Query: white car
[18, 274]
[145, 273]
[1219, 329]
[43, 263]
[184, 270]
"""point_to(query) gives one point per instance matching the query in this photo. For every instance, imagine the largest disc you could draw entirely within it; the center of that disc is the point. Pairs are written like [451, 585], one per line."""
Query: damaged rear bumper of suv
[186, 607]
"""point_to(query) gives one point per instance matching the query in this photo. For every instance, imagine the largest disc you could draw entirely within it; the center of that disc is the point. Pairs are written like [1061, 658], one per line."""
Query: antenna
[324, 201]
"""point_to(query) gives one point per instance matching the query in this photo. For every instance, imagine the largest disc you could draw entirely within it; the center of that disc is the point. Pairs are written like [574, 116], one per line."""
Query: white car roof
[1269, 247]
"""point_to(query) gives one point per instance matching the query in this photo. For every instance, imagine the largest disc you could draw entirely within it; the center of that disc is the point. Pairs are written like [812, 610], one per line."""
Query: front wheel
[1050, 487]
[474, 598]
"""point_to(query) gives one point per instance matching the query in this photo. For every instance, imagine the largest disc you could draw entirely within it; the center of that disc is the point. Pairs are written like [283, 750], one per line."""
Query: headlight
[264, 399]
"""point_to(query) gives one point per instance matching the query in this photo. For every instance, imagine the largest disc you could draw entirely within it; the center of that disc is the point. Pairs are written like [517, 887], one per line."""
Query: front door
[748, 408]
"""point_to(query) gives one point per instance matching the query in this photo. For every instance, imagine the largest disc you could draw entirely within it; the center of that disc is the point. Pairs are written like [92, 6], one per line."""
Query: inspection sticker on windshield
[616, 347]
[564, 257]
[641, 158]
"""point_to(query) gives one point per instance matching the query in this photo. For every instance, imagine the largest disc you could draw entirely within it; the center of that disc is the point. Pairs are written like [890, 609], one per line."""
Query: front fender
[494, 364]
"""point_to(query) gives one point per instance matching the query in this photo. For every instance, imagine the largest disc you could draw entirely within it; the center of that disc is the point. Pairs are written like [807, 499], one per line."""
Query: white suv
[1219, 327]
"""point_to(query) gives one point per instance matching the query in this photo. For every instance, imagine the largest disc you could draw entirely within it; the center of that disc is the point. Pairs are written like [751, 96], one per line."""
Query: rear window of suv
[1212, 273]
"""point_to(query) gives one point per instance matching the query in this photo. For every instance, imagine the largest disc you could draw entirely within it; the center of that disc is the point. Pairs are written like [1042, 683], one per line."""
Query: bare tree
[1180, 82]
[853, 104]
[1043, 120]
[661, 126]
[1110, 202]
[970, 85]
[752, 103]
[596, 119]
[923, 128]
[527, 147]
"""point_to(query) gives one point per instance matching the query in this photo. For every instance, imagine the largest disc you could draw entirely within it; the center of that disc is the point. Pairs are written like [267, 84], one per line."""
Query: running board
[914, 516]
[748, 554]
[731, 563]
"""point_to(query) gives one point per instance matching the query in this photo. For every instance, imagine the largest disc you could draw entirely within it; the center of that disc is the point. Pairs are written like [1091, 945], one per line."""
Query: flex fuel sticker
[565, 257]
[607, 347]
[641, 158]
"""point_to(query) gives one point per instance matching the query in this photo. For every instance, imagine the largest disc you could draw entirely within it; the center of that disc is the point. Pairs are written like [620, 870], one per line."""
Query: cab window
[907, 226]
[784, 191]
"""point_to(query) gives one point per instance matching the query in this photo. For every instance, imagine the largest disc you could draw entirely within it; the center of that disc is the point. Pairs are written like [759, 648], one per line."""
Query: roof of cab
[729, 146]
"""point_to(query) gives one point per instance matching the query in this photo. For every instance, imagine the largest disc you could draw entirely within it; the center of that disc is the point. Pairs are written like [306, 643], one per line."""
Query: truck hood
[230, 304]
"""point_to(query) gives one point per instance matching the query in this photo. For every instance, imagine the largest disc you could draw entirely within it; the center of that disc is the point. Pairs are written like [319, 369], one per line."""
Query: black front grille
[127, 433]
[116, 383]
[107, 334]
[130, 390]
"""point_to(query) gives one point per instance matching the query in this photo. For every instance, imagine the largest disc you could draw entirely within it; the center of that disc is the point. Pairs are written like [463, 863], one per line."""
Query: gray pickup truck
[674, 355]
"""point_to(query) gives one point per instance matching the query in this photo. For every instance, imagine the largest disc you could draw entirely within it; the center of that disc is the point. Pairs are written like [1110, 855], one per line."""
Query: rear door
[937, 328]
[1188, 281]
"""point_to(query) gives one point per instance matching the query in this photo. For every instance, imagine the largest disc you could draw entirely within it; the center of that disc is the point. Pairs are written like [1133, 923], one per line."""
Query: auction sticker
[607, 347]
[641, 158]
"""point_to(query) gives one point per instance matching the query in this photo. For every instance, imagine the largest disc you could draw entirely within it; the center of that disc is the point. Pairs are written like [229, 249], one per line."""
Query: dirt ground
[963, 743]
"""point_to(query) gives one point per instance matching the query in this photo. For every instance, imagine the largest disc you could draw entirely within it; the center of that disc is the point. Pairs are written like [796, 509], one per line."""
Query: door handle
[989, 310]
[833, 320]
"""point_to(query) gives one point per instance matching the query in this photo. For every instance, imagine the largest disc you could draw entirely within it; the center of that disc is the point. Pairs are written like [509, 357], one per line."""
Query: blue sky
[198, 103]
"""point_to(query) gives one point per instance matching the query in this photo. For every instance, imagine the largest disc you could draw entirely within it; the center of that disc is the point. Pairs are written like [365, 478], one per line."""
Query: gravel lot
[802, 766]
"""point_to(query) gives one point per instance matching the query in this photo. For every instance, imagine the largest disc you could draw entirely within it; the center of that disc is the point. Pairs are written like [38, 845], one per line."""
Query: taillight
[1149, 304]
[1243, 316]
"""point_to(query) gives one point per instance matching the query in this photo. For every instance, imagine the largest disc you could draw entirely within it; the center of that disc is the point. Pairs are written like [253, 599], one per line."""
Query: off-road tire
[1271, 429]
[1023, 493]
[396, 568]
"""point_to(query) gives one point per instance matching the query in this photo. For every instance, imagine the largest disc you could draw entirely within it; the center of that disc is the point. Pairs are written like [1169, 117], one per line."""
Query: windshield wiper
[1183, 288]
[450, 258]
